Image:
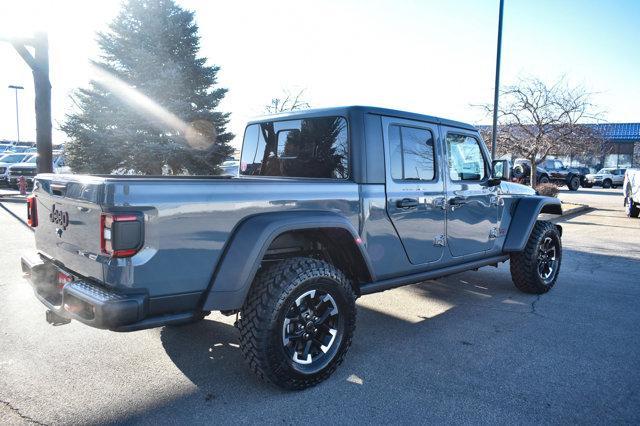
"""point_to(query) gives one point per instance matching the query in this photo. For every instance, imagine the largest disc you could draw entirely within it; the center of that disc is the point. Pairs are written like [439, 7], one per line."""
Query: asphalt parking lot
[468, 348]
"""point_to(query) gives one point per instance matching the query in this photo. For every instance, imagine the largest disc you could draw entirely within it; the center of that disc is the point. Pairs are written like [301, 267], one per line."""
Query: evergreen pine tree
[151, 50]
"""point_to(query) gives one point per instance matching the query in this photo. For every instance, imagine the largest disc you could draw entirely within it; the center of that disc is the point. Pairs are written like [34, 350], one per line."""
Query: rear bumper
[92, 304]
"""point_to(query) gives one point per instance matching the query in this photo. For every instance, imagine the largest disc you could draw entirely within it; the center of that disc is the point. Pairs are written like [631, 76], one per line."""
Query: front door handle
[407, 203]
[458, 201]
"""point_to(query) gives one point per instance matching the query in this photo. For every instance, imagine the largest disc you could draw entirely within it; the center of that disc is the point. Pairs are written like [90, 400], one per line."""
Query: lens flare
[199, 134]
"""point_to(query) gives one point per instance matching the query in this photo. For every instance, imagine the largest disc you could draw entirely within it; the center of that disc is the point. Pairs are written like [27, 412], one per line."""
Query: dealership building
[622, 146]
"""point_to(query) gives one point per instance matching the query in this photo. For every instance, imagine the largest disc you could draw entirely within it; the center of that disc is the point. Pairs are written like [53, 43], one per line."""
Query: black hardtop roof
[345, 110]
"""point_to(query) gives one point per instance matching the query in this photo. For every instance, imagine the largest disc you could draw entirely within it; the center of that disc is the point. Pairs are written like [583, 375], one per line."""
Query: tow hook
[55, 319]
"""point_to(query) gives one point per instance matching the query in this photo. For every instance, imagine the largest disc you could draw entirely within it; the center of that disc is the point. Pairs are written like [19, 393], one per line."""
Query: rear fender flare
[248, 244]
[524, 218]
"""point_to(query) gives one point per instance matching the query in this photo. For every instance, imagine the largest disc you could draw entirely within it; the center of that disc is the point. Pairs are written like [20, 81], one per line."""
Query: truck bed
[187, 222]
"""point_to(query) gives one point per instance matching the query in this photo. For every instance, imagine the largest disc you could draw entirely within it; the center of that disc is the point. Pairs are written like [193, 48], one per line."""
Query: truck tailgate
[68, 229]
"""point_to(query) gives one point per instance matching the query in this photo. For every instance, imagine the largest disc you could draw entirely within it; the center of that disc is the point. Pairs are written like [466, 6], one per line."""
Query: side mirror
[501, 170]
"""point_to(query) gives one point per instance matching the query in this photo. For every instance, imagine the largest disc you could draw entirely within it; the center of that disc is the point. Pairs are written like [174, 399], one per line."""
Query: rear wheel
[574, 183]
[543, 179]
[297, 322]
[535, 269]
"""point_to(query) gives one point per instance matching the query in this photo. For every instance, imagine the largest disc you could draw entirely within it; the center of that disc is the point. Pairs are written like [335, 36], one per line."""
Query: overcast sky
[431, 57]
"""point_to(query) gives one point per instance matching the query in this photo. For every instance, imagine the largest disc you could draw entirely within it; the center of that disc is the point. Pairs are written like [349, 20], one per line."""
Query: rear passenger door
[472, 206]
[415, 187]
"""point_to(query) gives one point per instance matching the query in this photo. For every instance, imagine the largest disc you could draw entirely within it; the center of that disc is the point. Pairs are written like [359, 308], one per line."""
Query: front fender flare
[524, 218]
[246, 248]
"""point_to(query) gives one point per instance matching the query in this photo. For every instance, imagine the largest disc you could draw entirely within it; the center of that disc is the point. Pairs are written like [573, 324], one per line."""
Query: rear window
[306, 148]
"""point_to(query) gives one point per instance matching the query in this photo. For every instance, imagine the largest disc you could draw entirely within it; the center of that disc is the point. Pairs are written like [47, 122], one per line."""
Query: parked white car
[606, 178]
[28, 169]
[7, 160]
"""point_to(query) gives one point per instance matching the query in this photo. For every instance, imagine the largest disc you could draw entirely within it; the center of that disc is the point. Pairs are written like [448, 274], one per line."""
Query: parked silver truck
[329, 205]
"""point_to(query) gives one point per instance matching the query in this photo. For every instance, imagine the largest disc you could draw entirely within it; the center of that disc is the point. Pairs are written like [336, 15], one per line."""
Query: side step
[390, 283]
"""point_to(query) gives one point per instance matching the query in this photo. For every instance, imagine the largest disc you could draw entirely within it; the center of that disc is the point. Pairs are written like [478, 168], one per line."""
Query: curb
[13, 198]
[569, 213]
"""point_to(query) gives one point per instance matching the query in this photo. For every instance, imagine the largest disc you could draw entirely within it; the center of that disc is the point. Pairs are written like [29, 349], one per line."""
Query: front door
[472, 206]
[415, 187]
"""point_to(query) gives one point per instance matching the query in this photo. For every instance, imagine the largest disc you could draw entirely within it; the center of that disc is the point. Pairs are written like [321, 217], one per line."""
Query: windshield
[11, 158]
[604, 172]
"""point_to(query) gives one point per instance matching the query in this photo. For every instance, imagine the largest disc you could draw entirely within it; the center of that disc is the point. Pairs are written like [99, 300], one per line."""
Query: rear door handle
[407, 203]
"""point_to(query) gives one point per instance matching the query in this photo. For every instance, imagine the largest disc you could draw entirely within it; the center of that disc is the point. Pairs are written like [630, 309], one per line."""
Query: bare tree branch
[287, 102]
[536, 119]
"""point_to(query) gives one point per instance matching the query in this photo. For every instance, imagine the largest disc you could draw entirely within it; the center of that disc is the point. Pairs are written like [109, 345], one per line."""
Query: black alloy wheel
[548, 259]
[312, 330]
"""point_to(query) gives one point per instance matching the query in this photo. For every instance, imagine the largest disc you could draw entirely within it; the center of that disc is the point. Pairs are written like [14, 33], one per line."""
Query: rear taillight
[121, 234]
[32, 211]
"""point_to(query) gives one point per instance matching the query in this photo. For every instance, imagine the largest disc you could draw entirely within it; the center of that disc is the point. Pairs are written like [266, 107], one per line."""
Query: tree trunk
[534, 171]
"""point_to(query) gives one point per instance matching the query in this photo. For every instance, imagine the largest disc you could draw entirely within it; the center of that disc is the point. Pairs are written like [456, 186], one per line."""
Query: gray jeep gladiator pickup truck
[329, 205]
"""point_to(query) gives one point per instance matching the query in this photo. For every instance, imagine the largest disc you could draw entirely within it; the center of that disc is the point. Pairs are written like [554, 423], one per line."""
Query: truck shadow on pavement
[438, 341]
[208, 352]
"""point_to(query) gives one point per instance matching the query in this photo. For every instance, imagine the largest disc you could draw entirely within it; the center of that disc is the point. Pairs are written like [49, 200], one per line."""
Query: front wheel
[297, 322]
[535, 269]
[606, 184]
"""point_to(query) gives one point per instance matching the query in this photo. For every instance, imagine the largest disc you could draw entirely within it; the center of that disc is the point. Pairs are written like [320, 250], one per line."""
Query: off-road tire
[606, 184]
[524, 265]
[543, 179]
[262, 316]
[574, 183]
[632, 208]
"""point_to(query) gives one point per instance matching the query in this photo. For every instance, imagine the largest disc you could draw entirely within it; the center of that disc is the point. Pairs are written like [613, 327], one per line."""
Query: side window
[465, 158]
[411, 151]
[306, 148]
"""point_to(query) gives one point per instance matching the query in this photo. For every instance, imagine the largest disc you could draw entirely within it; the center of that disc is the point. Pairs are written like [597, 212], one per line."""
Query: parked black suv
[553, 171]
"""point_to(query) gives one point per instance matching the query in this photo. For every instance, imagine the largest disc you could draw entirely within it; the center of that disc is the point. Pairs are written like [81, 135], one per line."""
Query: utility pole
[16, 88]
[496, 94]
[39, 63]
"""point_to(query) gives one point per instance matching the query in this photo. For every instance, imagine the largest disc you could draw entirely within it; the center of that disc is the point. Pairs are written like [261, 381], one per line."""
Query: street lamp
[496, 92]
[16, 88]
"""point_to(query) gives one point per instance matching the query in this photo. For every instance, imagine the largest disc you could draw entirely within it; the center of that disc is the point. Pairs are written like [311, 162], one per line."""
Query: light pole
[16, 88]
[497, 86]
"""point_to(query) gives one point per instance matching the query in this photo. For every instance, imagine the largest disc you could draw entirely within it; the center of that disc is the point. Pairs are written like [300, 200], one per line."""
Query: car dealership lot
[466, 348]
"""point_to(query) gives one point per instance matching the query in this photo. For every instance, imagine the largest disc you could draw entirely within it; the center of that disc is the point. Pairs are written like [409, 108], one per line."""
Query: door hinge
[493, 233]
[440, 241]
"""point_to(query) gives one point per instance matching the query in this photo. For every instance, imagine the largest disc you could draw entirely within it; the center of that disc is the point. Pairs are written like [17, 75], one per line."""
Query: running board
[390, 283]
